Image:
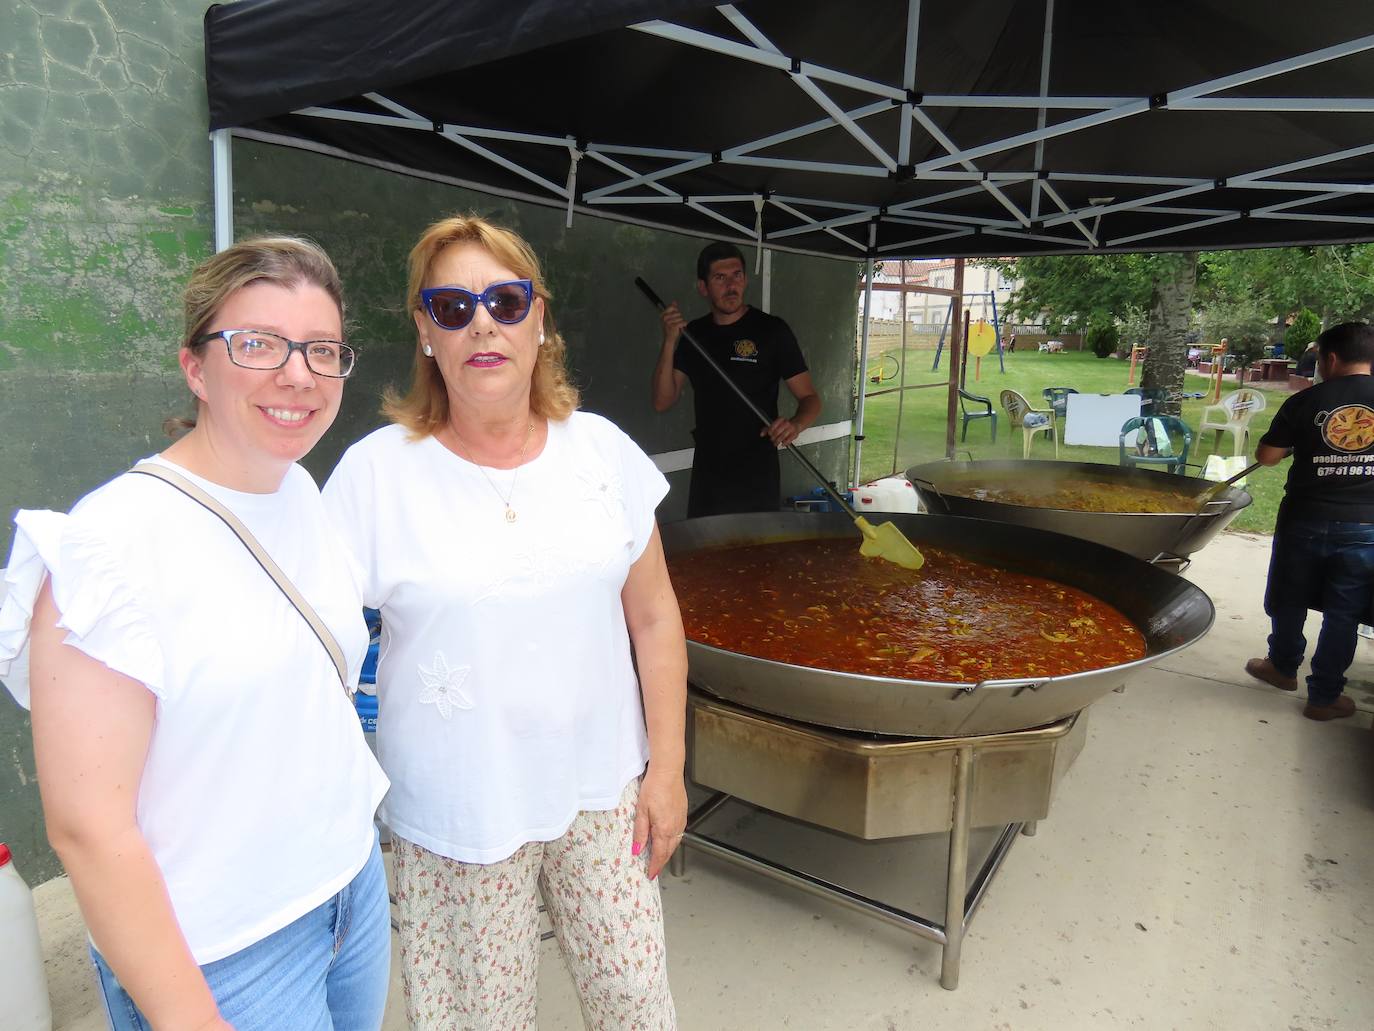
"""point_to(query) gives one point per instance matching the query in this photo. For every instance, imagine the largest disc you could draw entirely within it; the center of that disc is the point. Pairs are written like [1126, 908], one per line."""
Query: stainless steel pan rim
[962, 687]
[1171, 612]
[1146, 535]
[981, 469]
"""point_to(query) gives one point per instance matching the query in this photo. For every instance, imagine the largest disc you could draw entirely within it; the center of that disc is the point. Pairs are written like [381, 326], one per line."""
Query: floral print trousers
[469, 933]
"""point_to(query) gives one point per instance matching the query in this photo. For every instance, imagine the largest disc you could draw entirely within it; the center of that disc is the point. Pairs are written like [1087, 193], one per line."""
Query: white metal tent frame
[1048, 220]
[1081, 223]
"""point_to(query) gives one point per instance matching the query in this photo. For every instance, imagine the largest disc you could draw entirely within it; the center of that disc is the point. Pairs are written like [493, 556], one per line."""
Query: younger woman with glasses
[509, 541]
[205, 780]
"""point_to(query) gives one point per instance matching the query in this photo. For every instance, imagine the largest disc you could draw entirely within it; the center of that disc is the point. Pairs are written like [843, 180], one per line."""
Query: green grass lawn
[923, 420]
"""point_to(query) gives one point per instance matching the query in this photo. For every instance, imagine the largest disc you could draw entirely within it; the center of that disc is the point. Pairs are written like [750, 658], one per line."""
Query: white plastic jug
[23, 987]
[890, 494]
[1218, 468]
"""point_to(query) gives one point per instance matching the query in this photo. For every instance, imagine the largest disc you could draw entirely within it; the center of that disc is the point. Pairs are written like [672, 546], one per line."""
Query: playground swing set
[981, 337]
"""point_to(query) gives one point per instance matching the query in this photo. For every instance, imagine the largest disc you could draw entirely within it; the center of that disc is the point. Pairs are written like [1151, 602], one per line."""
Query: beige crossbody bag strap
[259, 553]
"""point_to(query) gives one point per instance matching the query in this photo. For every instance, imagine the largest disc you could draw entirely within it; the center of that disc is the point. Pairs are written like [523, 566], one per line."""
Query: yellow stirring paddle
[883, 541]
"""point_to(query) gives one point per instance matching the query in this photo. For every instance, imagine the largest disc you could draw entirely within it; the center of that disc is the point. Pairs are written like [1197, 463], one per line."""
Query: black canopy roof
[890, 128]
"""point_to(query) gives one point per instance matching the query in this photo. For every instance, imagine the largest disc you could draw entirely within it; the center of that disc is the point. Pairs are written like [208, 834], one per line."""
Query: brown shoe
[1263, 669]
[1339, 709]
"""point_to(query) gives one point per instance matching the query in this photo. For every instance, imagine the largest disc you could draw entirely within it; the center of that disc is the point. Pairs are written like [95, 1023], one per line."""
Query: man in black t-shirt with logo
[1323, 553]
[735, 466]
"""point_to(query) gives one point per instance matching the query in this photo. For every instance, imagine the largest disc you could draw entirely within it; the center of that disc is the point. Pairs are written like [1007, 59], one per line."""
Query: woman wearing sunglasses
[204, 777]
[509, 541]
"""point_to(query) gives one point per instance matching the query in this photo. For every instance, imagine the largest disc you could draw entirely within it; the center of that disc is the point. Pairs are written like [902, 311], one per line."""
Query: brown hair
[714, 252]
[286, 261]
[424, 408]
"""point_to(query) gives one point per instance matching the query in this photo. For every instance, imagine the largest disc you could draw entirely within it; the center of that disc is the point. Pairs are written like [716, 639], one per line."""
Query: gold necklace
[505, 498]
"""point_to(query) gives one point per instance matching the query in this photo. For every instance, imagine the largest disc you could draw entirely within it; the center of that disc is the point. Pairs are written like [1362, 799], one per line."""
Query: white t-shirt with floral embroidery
[508, 701]
[258, 790]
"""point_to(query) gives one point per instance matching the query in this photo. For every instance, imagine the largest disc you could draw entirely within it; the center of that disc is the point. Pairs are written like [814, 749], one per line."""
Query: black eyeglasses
[258, 349]
[452, 307]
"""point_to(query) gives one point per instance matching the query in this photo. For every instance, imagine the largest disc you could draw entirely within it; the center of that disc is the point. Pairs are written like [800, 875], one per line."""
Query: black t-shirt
[1330, 427]
[1307, 364]
[757, 351]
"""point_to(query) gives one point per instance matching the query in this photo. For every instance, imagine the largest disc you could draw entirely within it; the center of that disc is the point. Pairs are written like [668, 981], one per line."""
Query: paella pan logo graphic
[746, 349]
[1349, 428]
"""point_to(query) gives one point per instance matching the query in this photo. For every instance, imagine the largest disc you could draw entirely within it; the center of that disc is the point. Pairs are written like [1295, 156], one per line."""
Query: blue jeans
[1326, 565]
[326, 971]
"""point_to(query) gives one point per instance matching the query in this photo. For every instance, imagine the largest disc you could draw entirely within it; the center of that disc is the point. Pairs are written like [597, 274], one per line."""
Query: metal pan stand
[871, 789]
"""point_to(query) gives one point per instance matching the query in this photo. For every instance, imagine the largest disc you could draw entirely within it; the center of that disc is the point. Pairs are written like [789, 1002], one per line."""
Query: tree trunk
[1171, 307]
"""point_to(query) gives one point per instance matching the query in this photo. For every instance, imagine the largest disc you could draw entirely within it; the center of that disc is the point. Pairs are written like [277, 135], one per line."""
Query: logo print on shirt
[444, 686]
[1349, 428]
[746, 351]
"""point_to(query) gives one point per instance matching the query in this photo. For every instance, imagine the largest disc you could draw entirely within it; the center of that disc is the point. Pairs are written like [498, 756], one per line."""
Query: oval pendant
[510, 515]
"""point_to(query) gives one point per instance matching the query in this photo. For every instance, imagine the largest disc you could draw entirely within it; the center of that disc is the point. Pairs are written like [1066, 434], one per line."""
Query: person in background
[204, 778]
[1323, 552]
[1307, 362]
[509, 541]
[735, 464]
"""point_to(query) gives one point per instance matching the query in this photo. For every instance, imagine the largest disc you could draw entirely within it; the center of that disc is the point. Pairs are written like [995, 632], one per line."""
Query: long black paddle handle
[657, 302]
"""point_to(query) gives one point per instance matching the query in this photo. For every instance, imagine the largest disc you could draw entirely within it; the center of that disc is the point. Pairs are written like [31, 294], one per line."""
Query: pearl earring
[541, 338]
[429, 351]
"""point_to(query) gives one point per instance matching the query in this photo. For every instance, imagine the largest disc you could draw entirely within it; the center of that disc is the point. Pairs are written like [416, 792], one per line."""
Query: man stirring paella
[735, 465]
[1323, 552]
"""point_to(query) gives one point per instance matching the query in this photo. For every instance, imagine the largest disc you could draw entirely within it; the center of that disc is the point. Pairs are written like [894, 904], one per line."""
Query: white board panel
[1096, 419]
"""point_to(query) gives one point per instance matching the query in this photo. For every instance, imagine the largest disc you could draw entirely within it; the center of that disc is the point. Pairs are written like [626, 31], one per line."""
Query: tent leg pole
[222, 173]
[901, 383]
[863, 372]
[956, 346]
[767, 280]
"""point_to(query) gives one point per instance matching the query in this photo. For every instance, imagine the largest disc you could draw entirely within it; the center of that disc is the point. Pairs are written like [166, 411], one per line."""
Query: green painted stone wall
[105, 207]
[104, 171]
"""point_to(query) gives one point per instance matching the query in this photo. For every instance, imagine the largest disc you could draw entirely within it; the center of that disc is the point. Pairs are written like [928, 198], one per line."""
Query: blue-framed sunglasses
[452, 307]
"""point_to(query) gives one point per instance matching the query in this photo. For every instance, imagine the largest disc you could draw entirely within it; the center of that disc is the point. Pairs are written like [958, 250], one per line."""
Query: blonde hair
[285, 261]
[424, 408]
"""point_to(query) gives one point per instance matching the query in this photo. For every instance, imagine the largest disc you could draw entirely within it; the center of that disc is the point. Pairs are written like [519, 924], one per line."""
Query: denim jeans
[1327, 565]
[326, 971]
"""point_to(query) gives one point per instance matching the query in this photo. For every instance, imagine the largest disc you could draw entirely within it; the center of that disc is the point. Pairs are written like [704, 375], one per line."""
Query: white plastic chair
[1232, 416]
[1029, 421]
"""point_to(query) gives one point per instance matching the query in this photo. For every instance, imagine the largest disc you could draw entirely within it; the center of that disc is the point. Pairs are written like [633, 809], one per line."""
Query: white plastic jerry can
[889, 494]
[23, 987]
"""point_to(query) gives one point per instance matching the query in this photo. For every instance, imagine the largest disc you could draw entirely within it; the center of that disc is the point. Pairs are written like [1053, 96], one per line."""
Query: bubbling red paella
[819, 603]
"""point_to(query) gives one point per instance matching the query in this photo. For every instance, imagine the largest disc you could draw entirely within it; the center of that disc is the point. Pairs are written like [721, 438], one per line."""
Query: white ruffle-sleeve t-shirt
[508, 701]
[259, 789]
